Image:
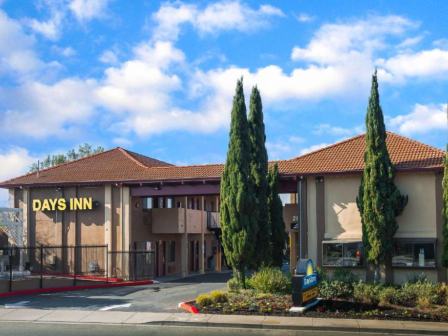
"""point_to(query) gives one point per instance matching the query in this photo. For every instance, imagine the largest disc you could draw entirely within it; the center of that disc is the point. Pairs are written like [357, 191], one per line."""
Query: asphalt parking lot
[158, 297]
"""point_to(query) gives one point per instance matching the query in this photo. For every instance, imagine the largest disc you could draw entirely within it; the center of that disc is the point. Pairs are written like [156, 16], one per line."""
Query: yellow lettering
[88, 203]
[45, 205]
[77, 204]
[36, 205]
[71, 204]
[62, 205]
[53, 203]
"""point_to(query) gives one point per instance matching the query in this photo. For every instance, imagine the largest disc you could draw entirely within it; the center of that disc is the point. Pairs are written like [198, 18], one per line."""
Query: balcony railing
[213, 220]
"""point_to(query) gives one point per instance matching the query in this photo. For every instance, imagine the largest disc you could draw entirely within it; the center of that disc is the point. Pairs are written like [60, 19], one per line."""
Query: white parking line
[16, 305]
[127, 305]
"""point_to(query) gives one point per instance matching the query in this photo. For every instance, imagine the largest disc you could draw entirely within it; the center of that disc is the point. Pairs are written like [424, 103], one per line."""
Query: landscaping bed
[343, 296]
[280, 305]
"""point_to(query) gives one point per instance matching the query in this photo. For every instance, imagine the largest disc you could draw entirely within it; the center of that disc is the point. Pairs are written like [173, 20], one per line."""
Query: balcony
[213, 220]
[175, 220]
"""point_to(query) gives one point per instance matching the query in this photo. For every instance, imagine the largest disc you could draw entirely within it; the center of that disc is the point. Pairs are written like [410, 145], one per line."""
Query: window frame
[144, 199]
[415, 241]
[342, 242]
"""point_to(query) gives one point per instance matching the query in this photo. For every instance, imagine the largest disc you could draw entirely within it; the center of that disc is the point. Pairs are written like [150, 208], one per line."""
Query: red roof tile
[119, 165]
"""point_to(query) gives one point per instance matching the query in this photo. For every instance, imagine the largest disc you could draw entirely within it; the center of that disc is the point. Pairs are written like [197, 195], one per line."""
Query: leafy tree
[379, 200]
[53, 160]
[445, 211]
[259, 168]
[275, 217]
[237, 199]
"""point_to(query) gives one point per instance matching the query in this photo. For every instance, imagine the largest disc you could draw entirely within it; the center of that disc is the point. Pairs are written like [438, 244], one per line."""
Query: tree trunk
[377, 276]
[242, 278]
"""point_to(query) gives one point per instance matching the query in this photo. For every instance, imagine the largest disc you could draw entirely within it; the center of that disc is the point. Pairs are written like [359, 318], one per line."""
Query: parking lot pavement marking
[127, 305]
[16, 305]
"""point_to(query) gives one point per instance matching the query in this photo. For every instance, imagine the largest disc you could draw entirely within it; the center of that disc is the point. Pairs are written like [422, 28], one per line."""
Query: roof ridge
[327, 147]
[188, 166]
[60, 165]
[125, 152]
[148, 157]
[416, 142]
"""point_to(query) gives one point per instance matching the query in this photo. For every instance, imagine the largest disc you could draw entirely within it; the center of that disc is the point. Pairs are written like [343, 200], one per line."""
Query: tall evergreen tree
[238, 223]
[379, 200]
[259, 168]
[445, 211]
[275, 217]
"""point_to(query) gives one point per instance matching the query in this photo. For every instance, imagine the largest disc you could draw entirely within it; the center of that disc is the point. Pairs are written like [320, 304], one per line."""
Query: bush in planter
[203, 300]
[390, 296]
[233, 285]
[366, 293]
[335, 289]
[270, 280]
[344, 275]
[218, 296]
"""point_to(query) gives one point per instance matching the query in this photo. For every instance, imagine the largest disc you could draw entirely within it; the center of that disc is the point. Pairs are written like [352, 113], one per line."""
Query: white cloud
[442, 43]
[122, 142]
[17, 55]
[284, 149]
[409, 42]
[304, 17]
[86, 10]
[419, 64]
[219, 16]
[313, 148]
[423, 119]
[109, 57]
[66, 52]
[50, 29]
[42, 110]
[15, 161]
[339, 131]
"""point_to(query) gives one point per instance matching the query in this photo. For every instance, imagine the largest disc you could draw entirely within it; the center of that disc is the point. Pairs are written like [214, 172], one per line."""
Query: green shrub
[344, 275]
[322, 274]
[335, 290]
[423, 293]
[218, 296]
[390, 295]
[234, 286]
[366, 293]
[270, 280]
[204, 300]
[414, 278]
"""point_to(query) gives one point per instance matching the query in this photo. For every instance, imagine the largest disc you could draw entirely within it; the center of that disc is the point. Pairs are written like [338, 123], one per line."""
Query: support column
[108, 221]
[26, 212]
[320, 217]
[293, 251]
[201, 242]
[442, 273]
[125, 219]
[184, 243]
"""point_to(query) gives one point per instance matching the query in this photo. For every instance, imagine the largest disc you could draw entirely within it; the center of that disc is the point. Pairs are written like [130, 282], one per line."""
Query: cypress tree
[259, 169]
[379, 200]
[445, 211]
[275, 217]
[238, 223]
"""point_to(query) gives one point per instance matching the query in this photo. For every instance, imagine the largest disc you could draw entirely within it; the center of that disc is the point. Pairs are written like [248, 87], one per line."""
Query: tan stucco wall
[342, 219]
[311, 211]
[419, 217]
[195, 221]
[168, 220]
[401, 275]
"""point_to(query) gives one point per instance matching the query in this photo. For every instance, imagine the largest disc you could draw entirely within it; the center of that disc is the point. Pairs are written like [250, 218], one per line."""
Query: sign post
[304, 286]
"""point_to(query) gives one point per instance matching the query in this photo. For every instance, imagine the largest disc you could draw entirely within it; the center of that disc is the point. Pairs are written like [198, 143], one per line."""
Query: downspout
[300, 215]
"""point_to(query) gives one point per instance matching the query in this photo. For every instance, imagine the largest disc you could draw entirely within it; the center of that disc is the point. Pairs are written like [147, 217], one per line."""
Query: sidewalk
[222, 321]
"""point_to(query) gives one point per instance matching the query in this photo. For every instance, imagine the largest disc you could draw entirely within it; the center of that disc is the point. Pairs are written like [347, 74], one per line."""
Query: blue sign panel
[311, 279]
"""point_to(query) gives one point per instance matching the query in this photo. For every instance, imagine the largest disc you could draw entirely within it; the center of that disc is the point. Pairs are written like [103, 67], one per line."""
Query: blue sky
[158, 77]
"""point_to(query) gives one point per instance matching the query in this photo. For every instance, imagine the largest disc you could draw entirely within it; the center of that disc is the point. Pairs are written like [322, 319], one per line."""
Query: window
[161, 202]
[171, 251]
[169, 202]
[414, 253]
[147, 203]
[343, 254]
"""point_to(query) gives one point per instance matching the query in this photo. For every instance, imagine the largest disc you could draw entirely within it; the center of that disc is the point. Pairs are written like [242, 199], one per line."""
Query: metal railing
[27, 268]
[213, 220]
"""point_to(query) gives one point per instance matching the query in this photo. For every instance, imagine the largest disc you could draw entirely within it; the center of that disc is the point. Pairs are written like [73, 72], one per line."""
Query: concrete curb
[73, 288]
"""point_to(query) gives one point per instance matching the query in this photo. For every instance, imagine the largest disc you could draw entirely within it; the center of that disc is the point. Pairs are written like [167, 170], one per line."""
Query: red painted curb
[185, 305]
[72, 288]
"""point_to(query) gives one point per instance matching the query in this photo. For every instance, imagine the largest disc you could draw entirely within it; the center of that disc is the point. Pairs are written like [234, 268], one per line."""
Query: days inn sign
[61, 204]
[304, 283]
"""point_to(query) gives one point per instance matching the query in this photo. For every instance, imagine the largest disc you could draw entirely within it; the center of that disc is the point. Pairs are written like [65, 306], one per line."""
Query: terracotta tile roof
[348, 155]
[119, 165]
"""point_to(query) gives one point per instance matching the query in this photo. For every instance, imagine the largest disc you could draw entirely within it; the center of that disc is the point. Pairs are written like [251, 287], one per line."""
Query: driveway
[158, 297]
